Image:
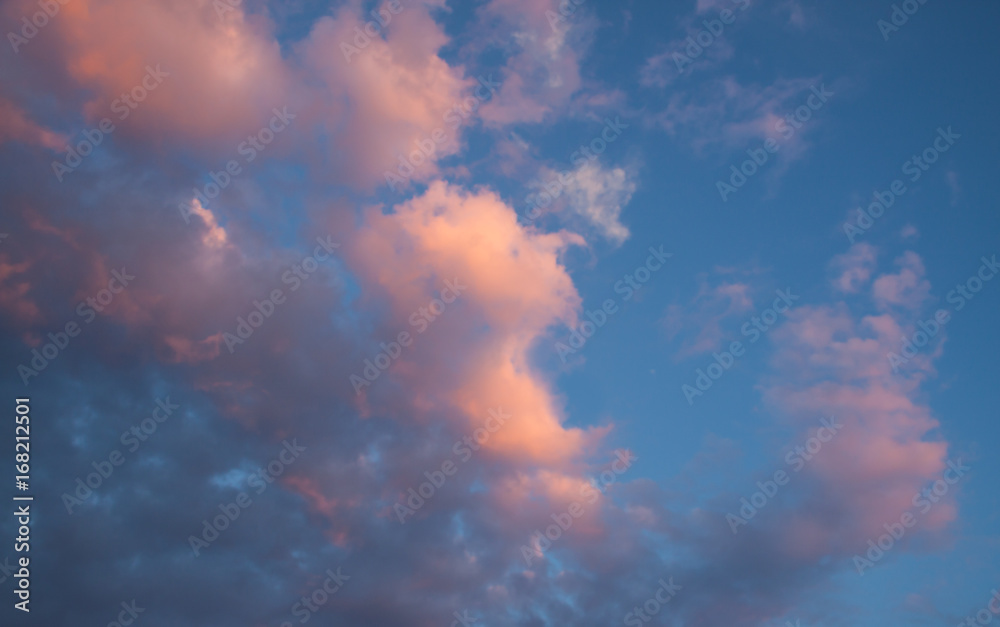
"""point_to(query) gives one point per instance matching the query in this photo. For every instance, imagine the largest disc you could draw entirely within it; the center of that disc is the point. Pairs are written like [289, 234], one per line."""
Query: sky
[499, 313]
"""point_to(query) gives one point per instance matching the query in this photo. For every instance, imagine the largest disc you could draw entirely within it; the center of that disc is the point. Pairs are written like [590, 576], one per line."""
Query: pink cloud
[476, 357]
[907, 289]
[829, 364]
[854, 267]
[403, 95]
[15, 125]
[705, 321]
[222, 85]
[727, 114]
[542, 71]
[186, 350]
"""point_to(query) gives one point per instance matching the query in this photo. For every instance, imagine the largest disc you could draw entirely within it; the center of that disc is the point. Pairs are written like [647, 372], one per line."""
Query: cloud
[517, 288]
[954, 186]
[290, 380]
[674, 63]
[830, 363]
[663, 69]
[704, 6]
[221, 82]
[723, 113]
[598, 196]
[16, 126]
[854, 268]
[593, 198]
[291, 377]
[833, 365]
[221, 86]
[706, 321]
[401, 96]
[907, 288]
[541, 71]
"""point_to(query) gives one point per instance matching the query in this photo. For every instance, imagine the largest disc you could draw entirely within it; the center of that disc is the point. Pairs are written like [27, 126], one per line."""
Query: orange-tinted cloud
[221, 85]
[477, 356]
[222, 80]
